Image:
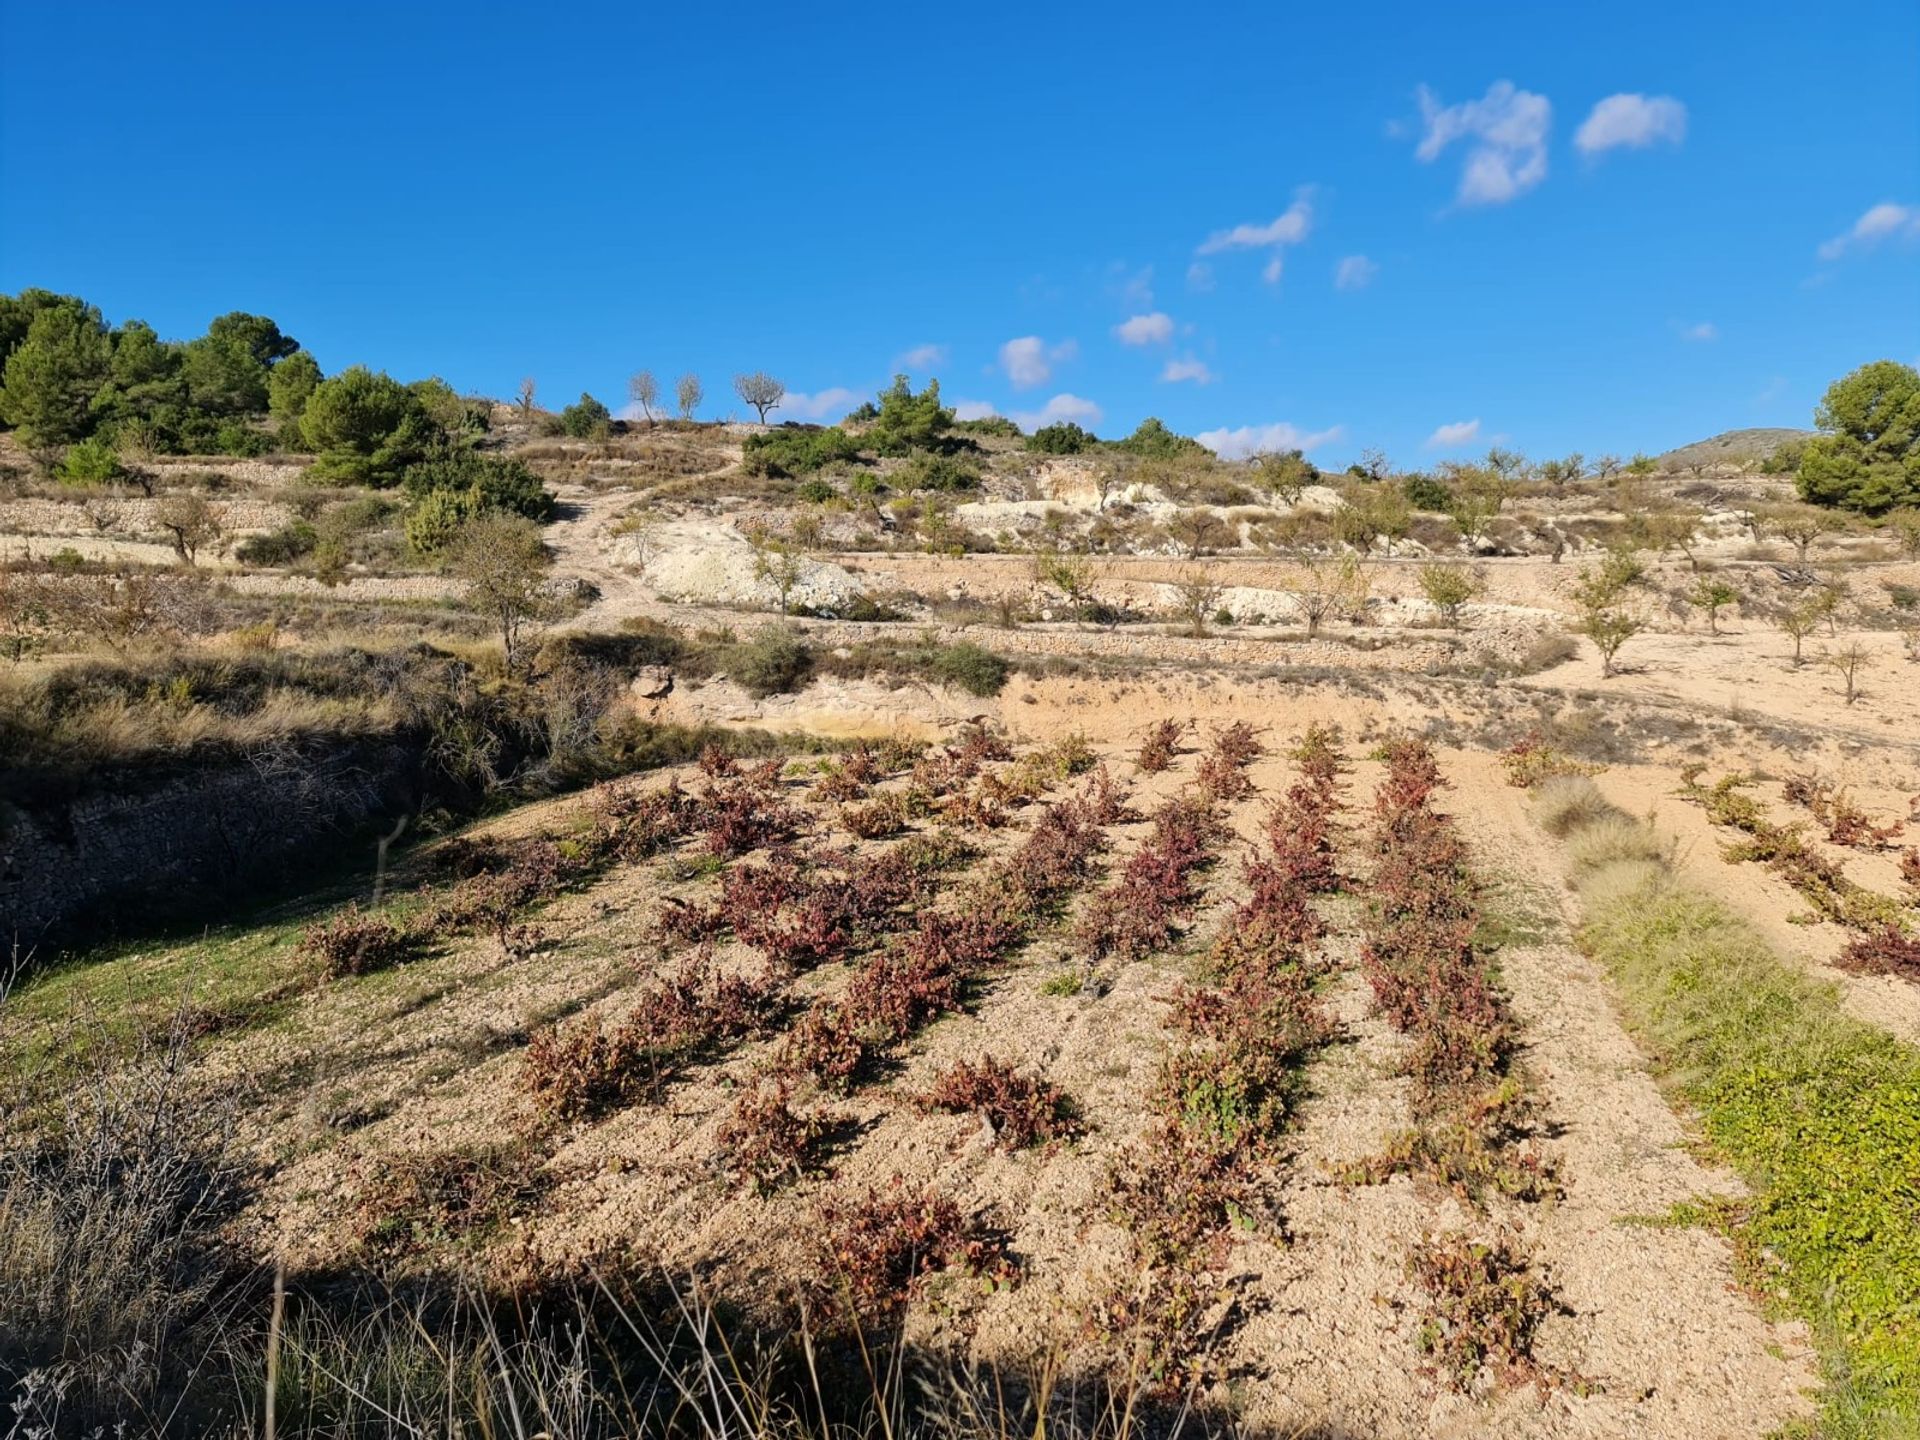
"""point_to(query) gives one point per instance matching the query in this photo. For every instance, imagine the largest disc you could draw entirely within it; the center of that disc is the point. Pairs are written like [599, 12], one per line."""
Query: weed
[356, 943]
[1161, 745]
[880, 1248]
[766, 1143]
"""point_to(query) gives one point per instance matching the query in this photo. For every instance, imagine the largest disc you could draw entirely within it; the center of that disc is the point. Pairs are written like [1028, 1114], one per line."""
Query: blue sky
[576, 192]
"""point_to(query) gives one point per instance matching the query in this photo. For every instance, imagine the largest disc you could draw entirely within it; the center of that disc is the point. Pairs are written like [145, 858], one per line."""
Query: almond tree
[688, 393]
[761, 391]
[644, 391]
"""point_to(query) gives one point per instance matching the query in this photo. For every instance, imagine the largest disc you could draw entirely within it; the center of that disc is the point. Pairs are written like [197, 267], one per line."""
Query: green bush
[1155, 441]
[794, 451]
[492, 482]
[1063, 438]
[929, 471]
[586, 419]
[1423, 492]
[997, 425]
[278, 547]
[907, 421]
[817, 491]
[91, 462]
[967, 666]
[437, 518]
[773, 662]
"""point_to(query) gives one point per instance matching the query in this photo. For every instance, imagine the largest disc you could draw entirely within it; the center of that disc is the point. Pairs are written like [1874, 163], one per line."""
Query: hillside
[1732, 446]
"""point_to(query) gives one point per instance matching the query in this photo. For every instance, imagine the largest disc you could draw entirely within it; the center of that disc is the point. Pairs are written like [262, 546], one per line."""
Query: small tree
[1284, 474]
[1801, 526]
[644, 391]
[525, 396]
[1905, 524]
[1848, 664]
[190, 522]
[761, 391]
[1608, 629]
[1329, 586]
[1711, 594]
[1797, 620]
[1370, 512]
[779, 560]
[1448, 588]
[1509, 465]
[1072, 575]
[503, 562]
[1197, 593]
[688, 394]
[1199, 530]
[1607, 466]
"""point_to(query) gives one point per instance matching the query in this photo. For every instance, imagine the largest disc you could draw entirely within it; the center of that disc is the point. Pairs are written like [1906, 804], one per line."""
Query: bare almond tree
[644, 391]
[761, 391]
[688, 394]
[190, 523]
[525, 397]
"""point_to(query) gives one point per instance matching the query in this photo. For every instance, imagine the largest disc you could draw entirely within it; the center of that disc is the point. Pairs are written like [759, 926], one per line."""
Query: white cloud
[1885, 221]
[1060, 407]
[1705, 330]
[1271, 271]
[1633, 121]
[1029, 360]
[973, 409]
[1154, 329]
[1354, 272]
[1286, 229]
[1508, 130]
[1452, 437]
[922, 357]
[1199, 276]
[836, 401]
[1258, 439]
[1188, 369]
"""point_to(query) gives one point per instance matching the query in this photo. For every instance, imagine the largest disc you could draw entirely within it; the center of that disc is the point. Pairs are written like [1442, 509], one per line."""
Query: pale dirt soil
[426, 1058]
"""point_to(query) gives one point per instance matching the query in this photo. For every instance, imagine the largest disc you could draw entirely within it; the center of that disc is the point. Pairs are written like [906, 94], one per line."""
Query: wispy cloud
[1507, 130]
[1288, 228]
[1134, 287]
[834, 401]
[1452, 437]
[1632, 122]
[1238, 444]
[1706, 330]
[1188, 369]
[1354, 272]
[973, 409]
[1199, 276]
[1028, 361]
[1883, 222]
[922, 357]
[1154, 329]
[1060, 407]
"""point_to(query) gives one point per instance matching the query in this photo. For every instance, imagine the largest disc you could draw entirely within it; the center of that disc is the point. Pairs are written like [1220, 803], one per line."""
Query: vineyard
[1236, 1072]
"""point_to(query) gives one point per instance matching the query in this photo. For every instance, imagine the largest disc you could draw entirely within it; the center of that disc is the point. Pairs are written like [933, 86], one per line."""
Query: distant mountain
[1729, 445]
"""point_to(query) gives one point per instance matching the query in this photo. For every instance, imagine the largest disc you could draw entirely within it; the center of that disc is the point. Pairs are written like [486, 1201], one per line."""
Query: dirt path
[581, 540]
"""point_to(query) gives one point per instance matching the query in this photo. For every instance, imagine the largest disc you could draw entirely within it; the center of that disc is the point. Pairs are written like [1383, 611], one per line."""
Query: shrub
[905, 421]
[1484, 1309]
[774, 662]
[1160, 746]
[93, 461]
[881, 1247]
[1019, 1110]
[939, 473]
[970, 668]
[1151, 438]
[1061, 438]
[1424, 492]
[278, 547]
[1531, 760]
[1886, 951]
[1570, 803]
[797, 451]
[586, 419]
[355, 943]
[765, 1143]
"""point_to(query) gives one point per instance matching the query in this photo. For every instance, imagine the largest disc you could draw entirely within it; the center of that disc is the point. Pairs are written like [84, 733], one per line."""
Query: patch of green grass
[1819, 1112]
